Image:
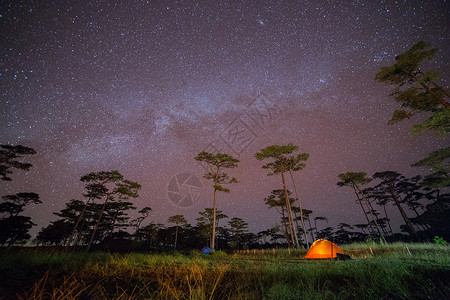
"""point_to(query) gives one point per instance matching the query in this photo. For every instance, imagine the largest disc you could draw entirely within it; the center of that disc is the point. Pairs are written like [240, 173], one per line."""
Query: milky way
[144, 86]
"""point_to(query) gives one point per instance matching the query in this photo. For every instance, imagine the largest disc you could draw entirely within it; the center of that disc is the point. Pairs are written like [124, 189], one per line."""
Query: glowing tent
[323, 249]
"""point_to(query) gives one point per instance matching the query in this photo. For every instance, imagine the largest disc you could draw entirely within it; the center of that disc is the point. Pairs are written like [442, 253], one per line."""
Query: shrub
[440, 241]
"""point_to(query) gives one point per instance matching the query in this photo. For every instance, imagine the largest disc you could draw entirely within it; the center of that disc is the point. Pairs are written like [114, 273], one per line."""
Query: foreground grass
[391, 272]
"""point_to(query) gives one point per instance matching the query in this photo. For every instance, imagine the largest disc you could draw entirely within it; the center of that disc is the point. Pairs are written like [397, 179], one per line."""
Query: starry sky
[144, 86]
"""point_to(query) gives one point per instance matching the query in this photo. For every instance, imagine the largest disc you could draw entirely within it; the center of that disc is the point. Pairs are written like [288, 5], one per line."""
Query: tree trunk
[286, 231]
[301, 211]
[373, 217]
[110, 233]
[440, 88]
[424, 228]
[364, 211]
[214, 222]
[96, 224]
[310, 228]
[402, 212]
[388, 220]
[289, 212]
[372, 210]
[72, 235]
[444, 103]
[315, 226]
[176, 238]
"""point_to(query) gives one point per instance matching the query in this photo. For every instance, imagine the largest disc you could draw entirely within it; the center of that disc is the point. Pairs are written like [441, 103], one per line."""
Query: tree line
[101, 220]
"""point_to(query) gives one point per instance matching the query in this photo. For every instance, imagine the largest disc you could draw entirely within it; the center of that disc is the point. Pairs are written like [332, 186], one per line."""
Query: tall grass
[390, 273]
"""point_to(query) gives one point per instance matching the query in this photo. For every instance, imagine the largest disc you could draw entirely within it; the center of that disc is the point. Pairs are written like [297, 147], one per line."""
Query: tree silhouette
[136, 223]
[283, 163]
[319, 219]
[274, 234]
[215, 164]
[209, 220]
[107, 186]
[417, 91]
[413, 194]
[10, 157]
[381, 199]
[15, 204]
[75, 213]
[389, 181]
[177, 220]
[116, 216]
[150, 233]
[94, 191]
[362, 227]
[14, 227]
[355, 180]
[238, 229]
[295, 163]
[326, 233]
[14, 230]
[343, 234]
[307, 216]
[436, 216]
[276, 200]
[55, 233]
[439, 162]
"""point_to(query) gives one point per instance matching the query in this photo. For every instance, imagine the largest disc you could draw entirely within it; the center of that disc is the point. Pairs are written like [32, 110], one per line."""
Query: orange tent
[323, 249]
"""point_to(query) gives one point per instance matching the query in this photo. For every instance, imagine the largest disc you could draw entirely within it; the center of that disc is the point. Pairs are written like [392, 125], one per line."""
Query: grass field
[395, 271]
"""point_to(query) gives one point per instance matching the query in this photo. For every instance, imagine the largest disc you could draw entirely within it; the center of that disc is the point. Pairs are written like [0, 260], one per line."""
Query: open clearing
[396, 271]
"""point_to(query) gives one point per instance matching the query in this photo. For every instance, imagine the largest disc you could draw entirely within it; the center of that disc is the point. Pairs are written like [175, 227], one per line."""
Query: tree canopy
[417, 91]
[10, 157]
[215, 164]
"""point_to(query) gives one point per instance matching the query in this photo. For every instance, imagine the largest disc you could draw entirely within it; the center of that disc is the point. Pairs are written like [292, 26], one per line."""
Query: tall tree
[94, 191]
[216, 163]
[207, 222]
[416, 90]
[109, 185]
[238, 229]
[117, 215]
[355, 180]
[389, 182]
[14, 228]
[380, 198]
[281, 163]
[307, 216]
[276, 200]
[150, 233]
[295, 163]
[136, 223]
[274, 234]
[55, 233]
[177, 220]
[414, 194]
[436, 217]
[11, 157]
[74, 213]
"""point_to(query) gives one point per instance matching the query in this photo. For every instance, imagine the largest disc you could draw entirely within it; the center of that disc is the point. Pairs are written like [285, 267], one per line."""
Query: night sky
[144, 86]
